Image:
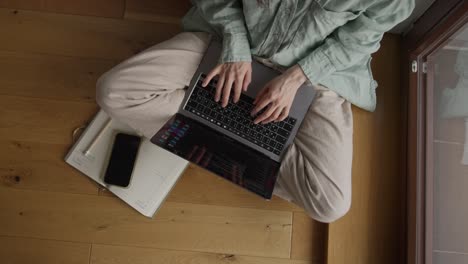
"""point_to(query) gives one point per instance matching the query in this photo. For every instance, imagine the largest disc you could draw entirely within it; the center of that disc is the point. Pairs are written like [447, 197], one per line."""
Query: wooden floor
[52, 52]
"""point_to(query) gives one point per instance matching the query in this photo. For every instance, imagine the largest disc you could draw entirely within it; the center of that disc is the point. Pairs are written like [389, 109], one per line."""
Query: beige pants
[147, 89]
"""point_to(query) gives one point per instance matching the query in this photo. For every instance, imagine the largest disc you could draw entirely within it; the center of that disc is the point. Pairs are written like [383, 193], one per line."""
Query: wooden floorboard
[51, 76]
[157, 10]
[19, 250]
[78, 36]
[42, 120]
[107, 220]
[40, 166]
[104, 254]
[101, 8]
[308, 239]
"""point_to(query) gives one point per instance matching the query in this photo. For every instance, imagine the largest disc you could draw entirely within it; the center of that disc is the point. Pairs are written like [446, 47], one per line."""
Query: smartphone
[122, 160]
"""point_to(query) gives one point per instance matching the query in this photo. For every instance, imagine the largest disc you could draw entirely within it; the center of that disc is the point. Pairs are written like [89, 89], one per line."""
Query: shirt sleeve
[227, 18]
[355, 40]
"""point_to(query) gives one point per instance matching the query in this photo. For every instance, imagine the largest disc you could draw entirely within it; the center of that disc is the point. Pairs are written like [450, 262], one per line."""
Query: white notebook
[155, 171]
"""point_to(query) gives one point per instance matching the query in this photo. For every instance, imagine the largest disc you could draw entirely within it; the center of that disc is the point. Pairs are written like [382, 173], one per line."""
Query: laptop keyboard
[237, 119]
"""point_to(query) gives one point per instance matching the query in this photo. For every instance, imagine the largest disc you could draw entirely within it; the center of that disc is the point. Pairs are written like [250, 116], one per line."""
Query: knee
[331, 210]
[327, 202]
[326, 195]
[332, 191]
[106, 91]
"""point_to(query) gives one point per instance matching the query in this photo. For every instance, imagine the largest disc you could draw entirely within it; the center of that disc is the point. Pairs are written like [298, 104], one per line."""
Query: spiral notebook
[155, 172]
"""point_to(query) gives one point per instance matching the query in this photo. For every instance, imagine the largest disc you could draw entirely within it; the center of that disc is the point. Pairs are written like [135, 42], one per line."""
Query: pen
[87, 151]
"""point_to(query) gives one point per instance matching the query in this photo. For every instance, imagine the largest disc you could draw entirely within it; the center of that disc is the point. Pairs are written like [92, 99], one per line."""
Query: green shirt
[331, 40]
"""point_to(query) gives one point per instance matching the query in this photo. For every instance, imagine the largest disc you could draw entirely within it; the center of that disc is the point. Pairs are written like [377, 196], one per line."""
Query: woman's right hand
[234, 76]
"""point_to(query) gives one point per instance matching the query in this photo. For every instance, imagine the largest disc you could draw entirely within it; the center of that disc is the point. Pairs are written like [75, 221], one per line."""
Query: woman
[326, 43]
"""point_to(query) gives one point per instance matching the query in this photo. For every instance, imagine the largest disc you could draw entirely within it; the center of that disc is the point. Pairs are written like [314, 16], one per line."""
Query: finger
[260, 95]
[210, 76]
[273, 116]
[268, 112]
[284, 114]
[227, 91]
[237, 89]
[247, 80]
[262, 103]
[219, 87]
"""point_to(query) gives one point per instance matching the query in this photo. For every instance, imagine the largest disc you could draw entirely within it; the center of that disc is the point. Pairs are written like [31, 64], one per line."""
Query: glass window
[448, 164]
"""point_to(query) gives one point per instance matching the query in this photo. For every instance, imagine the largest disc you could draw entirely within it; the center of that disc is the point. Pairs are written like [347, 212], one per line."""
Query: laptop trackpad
[219, 154]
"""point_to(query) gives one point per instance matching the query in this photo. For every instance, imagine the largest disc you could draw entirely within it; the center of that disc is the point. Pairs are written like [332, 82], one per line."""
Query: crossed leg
[147, 89]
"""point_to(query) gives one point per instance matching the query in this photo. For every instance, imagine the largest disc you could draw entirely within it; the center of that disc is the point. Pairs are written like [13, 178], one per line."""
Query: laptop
[225, 141]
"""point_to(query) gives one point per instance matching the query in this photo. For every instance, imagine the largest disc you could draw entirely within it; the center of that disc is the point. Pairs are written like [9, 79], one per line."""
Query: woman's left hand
[278, 95]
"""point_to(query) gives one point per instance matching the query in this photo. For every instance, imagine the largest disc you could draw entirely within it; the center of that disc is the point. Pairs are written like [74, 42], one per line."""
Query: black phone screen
[122, 160]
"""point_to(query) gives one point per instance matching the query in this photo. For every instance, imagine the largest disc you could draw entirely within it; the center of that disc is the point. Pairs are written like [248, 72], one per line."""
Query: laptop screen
[219, 154]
